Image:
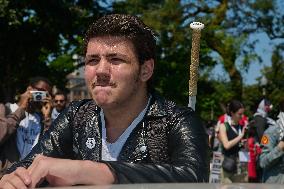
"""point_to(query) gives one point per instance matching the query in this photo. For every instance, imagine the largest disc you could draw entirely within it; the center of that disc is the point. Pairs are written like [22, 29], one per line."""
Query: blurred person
[231, 135]
[272, 155]
[8, 127]
[23, 123]
[227, 118]
[38, 116]
[9, 120]
[210, 126]
[59, 104]
[260, 118]
[254, 172]
[126, 133]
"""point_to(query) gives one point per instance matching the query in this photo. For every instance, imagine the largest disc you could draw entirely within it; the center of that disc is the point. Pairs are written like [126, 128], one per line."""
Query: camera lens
[38, 97]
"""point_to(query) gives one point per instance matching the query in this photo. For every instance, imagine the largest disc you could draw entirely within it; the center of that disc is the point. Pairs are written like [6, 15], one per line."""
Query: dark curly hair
[234, 106]
[35, 80]
[129, 27]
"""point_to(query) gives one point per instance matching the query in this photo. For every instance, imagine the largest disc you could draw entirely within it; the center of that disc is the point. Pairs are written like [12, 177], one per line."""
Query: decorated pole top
[196, 26]
[194, 63]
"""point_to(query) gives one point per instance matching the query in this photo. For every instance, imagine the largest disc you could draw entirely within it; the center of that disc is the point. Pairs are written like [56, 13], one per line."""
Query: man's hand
[18, 179]
[58, 172]
[65, 172]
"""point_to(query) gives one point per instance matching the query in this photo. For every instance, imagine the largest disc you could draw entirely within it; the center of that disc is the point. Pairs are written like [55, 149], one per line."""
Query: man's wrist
[98, 173]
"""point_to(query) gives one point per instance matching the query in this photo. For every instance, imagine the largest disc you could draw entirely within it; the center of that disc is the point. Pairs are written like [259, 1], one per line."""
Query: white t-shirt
[28, 132]
[110, 151]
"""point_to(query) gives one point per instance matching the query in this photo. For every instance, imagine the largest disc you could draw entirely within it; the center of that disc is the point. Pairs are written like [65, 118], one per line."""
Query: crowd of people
[252, 149]
[23, 123]
[126, 132]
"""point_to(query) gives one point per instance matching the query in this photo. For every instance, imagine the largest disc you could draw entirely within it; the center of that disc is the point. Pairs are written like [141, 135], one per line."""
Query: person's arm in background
[9, 123]
[272, 149]
[228, 144]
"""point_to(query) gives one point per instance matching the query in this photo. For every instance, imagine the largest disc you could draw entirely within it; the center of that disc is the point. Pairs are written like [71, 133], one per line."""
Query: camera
[38, 95]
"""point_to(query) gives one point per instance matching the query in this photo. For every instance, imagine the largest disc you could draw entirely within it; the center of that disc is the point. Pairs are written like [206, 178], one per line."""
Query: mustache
[103, 84]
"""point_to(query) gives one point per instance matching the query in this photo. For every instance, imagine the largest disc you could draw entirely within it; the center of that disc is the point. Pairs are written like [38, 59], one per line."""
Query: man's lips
[103, 85]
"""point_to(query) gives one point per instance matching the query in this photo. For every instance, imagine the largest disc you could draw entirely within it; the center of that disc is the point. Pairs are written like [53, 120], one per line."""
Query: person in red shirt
[254, 151]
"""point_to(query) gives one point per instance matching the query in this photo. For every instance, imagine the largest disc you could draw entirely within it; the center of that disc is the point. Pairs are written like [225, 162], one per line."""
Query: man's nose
[103, 67]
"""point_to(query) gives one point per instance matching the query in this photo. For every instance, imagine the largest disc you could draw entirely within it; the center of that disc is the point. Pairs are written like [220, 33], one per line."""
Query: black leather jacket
[177, 146]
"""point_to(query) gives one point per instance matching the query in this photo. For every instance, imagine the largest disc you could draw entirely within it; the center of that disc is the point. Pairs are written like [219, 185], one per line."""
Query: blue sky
[264, 49]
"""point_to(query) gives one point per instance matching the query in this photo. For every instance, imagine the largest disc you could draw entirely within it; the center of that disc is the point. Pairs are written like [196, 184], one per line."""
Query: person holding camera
[231, 136]
[23, 122]
[272, 155]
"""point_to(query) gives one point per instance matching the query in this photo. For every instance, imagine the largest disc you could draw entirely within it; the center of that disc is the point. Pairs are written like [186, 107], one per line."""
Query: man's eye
[91, 62]
[116, 60]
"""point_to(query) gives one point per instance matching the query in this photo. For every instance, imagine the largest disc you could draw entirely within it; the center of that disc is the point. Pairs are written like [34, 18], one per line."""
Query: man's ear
[147, 70]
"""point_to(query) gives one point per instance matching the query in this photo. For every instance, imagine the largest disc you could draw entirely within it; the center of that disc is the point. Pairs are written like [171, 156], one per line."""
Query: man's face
[112, 72]
[59, 102]
[42, 86]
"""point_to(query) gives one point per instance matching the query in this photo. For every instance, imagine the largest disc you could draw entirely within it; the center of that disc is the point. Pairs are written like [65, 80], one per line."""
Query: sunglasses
[61, 101]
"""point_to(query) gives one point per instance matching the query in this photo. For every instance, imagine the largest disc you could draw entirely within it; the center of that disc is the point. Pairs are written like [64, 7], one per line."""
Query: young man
[126, 134]
[59, 103]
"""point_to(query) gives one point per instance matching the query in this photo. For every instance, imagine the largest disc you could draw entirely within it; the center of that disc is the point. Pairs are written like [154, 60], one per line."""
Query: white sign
[216, 167]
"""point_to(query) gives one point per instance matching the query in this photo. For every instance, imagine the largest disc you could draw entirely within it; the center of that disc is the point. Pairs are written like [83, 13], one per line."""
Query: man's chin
[101, 102]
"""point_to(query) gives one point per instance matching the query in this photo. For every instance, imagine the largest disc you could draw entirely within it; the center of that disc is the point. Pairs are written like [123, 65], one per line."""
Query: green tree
[225, 41]
[275, 78]
[33, 34]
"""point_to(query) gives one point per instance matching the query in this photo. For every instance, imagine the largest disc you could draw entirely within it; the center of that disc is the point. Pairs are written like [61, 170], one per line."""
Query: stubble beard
[124, 101]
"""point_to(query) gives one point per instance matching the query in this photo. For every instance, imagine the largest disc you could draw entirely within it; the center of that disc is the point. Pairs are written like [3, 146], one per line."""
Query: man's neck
[116, 121]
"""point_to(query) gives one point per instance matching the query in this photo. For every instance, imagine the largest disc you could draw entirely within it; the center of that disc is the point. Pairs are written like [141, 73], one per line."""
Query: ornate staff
[193, 68]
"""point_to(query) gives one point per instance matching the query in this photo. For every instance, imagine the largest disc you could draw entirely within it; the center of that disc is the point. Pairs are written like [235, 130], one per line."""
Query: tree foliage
[225, 41]
[35, 33]
[40, 37]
